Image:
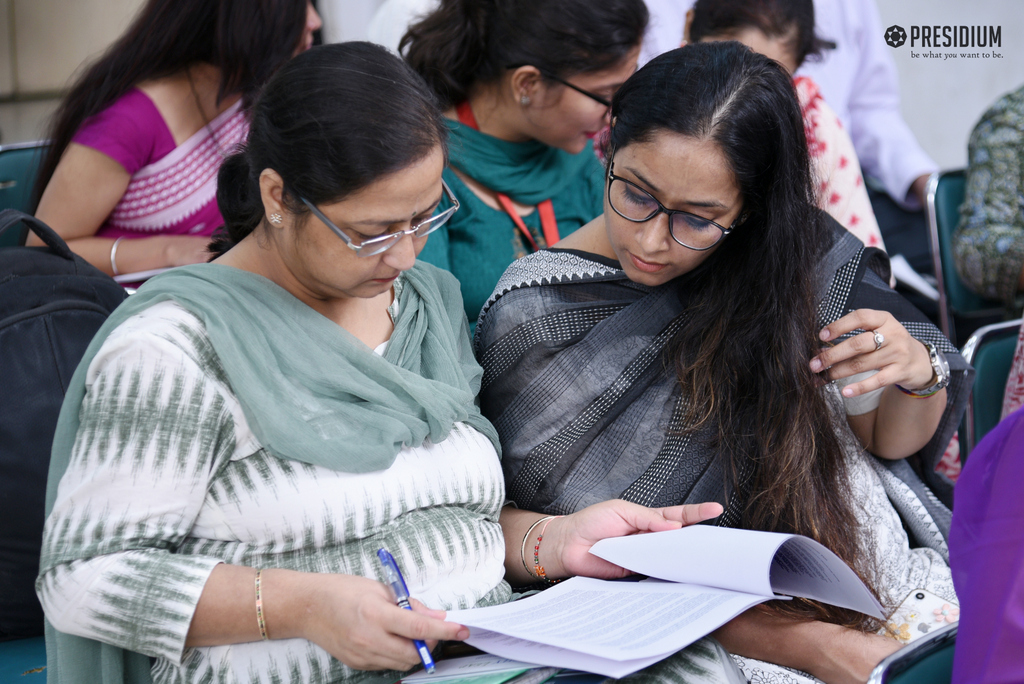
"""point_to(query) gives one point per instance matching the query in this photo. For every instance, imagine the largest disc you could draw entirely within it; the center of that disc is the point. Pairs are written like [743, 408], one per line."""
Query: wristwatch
[940, 370]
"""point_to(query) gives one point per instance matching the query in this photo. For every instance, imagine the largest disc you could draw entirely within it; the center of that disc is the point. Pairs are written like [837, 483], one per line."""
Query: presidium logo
[946, 37]
[895, 36]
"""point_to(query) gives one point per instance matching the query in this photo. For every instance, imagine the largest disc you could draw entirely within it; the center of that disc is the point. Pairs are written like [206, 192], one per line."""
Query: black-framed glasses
[383, 243]
[605, 102]
[635, 204]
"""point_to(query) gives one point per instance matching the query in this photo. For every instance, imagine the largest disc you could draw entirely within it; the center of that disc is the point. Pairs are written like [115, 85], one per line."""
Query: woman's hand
[900, 360]
[355, 619]
[182, 250]
[565, 550]
[833, 654]
[901, 425]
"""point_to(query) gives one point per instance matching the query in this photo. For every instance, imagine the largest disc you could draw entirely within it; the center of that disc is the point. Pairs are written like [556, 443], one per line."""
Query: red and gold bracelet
[522, 550]
[538, 568]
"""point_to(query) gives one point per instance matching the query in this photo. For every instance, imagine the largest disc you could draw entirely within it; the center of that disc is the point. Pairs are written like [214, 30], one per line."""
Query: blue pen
[397, 582]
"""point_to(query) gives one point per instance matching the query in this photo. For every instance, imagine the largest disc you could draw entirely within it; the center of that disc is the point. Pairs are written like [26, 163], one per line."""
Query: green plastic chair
[990, 350]
[945, 194]
[19, 165]
[23, 660]
[928, 660]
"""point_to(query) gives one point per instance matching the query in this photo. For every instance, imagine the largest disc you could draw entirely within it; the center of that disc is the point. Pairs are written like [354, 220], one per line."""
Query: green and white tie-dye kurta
[167, 480]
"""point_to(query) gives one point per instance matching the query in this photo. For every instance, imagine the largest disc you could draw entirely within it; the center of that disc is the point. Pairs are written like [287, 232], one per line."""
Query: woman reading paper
[714, 336]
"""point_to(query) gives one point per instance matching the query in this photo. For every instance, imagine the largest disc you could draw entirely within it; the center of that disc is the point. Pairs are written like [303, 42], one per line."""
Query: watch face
[940, 366]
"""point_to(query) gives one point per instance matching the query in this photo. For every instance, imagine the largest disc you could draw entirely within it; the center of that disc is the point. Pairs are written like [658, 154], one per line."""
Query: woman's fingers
[860, 356]
[358, 623]
[413, 625]
[691, 514]
[896, 355]
[424, 610]
[882, 378]
[861, 345]
[865, 319]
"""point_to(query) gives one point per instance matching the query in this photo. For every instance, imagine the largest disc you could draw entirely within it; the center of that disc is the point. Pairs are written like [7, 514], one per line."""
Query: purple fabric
[986, 545]
[130, 131]
[134, 134]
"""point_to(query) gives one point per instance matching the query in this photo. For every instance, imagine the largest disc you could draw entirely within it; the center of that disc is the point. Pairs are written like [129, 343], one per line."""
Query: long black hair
[743, 361]
[246, 39]
[330, 122]
[790, 20]
[465, 42]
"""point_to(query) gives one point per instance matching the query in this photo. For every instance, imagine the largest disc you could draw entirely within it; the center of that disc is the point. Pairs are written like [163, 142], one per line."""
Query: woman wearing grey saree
[713, 337]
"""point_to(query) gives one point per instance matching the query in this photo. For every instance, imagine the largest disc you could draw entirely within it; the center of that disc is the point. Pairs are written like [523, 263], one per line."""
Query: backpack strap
[12, 217]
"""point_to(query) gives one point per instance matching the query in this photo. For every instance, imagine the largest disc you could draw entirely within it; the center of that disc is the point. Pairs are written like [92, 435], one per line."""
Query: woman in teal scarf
[527, 84]
[242, 437]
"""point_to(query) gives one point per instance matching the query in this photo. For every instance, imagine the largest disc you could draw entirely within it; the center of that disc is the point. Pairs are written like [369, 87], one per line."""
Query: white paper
[803, 567]
[906, 275]
[542, 654]
[762, 563]
[614, 620]
[469, 666]
[700, 554]
[709, 575]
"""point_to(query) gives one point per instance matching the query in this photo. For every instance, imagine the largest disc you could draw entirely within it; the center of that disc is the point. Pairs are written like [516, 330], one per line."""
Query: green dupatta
[310, 391]
[528, 172]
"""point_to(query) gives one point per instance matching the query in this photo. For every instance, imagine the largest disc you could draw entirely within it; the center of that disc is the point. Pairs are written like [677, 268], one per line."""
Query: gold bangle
[259, 606]
[522, 550]
[537, 567]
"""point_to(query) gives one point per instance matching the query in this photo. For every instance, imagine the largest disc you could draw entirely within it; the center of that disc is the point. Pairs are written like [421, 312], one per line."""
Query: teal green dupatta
[311, 392]
[528, 172]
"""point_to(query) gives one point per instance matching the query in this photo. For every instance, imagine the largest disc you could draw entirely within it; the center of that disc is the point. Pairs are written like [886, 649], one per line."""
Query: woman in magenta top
[131, 180]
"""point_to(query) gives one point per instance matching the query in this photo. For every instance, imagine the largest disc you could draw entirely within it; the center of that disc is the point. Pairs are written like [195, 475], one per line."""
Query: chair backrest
[928, 660]
[945, 194]
[19, 165]
[990, 350]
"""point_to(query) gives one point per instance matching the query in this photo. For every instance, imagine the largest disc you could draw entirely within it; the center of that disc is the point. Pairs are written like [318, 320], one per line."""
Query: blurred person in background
[784, 31]
[130, 180]
[526, 84]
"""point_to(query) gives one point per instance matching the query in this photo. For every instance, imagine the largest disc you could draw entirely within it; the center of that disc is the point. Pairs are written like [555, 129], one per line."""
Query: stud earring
[524, 100]
[275, 219]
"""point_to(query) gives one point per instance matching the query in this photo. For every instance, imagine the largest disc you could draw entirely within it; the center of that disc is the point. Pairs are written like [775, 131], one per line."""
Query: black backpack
[51, 304]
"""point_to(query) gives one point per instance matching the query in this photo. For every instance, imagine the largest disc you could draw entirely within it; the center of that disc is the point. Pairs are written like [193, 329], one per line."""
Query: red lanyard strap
[549, 225]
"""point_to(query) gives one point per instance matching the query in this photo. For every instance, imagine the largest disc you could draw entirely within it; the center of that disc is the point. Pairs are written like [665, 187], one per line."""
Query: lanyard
[549, 225]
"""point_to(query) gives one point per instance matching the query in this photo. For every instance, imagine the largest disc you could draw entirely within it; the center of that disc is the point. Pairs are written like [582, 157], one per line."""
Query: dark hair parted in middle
[743, 359]
[464, 42]
[791, 20]
[332, 121]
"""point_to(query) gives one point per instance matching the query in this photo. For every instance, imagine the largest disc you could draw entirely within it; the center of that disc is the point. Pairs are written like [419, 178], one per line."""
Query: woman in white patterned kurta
[292, 407]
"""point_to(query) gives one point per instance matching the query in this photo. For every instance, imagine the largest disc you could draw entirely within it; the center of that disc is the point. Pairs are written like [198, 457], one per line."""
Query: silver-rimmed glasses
[635, 204]
[376, 245]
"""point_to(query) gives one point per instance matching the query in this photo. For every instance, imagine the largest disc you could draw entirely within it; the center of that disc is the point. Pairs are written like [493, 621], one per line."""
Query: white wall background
[943, 99]
[43, 42]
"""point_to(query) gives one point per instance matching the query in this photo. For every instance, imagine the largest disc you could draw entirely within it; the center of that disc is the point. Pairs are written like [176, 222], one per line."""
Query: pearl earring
[275, 219]
[524, 100]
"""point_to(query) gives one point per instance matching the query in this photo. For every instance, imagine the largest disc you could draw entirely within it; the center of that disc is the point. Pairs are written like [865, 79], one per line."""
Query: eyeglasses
[383, 243]
[604, 102]
[635, 204]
